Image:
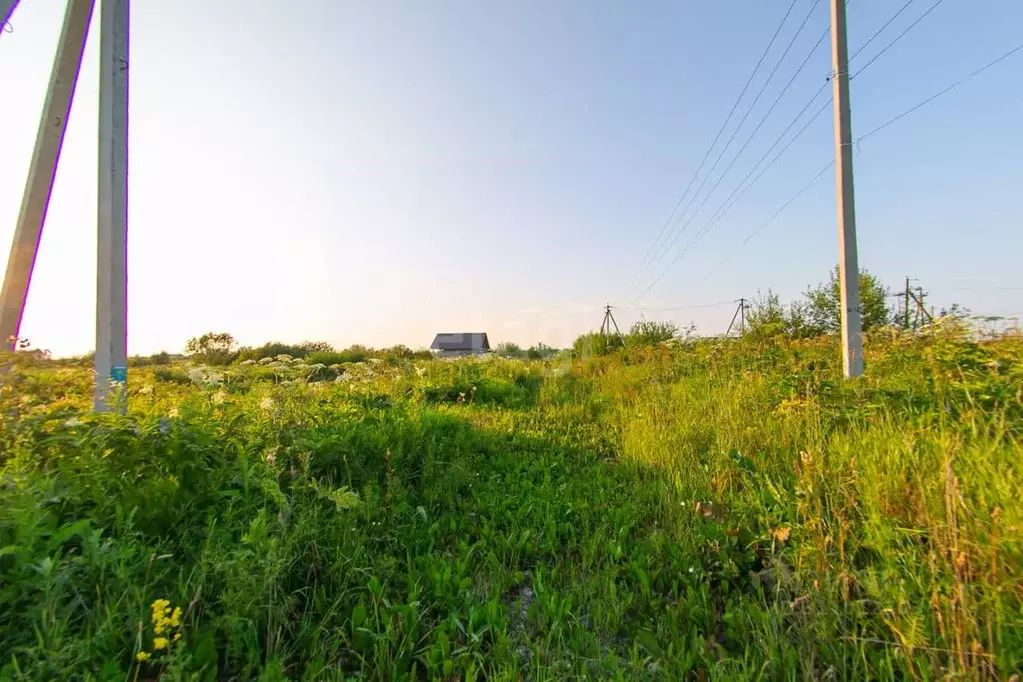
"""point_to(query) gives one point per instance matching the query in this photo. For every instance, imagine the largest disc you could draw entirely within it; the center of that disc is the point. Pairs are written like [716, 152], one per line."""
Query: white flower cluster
[201, 376]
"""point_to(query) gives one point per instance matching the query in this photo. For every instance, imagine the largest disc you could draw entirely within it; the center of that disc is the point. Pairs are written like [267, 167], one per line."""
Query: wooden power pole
[848, 265]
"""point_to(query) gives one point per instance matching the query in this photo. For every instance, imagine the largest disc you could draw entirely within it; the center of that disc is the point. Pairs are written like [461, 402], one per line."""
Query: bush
[327, 358]
[595, 343]
[172, 375]
[649, 333]
[509, 349]
[161, 358]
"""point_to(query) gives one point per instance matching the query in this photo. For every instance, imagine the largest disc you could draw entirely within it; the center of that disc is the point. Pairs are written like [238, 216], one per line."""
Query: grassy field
[718, 510]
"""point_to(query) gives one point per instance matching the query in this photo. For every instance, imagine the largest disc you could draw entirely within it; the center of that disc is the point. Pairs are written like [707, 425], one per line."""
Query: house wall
[460, 353]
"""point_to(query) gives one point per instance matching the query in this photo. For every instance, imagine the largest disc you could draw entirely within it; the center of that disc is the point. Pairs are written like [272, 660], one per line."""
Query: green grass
[723, 510]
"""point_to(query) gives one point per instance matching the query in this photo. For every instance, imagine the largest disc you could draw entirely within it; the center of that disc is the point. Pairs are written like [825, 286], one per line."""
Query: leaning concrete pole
[112, 252]
[43, 168]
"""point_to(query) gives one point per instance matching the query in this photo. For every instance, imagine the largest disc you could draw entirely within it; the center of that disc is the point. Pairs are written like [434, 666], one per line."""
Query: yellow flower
[142, 656]
[160, 643]
[175, 618]
[158, 629]
[177, 636]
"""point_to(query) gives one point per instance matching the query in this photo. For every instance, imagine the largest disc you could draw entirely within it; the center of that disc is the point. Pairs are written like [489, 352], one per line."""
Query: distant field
[726, 509]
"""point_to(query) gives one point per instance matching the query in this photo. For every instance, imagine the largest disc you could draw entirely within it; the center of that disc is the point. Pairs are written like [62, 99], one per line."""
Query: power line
[895, 40]
[741, 190]
[875, 130]
[717, 137]
[737, 194]
[749, 139]
[939, 94]
[774, 216]
[680, 307]
[880, 30]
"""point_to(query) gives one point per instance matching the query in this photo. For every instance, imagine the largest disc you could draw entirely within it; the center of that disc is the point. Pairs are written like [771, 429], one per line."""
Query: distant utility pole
[39, 186]
[609, 320]
[922, 315]
[740, 313]
[848, 266]
[905, 313]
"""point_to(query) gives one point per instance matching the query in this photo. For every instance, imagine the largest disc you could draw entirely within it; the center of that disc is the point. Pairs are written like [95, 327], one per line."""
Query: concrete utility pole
[112, 254]
[43, 169]
[848, 266]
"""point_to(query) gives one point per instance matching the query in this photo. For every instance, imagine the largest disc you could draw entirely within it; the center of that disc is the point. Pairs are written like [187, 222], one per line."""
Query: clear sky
[376, 172]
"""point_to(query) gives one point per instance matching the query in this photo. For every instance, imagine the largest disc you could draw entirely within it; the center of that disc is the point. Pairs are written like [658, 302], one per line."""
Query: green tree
[823, 306]
[765, 316]
[212, 348]
[540, 351]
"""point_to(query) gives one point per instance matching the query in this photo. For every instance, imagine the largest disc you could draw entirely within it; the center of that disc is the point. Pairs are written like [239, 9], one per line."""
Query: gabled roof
[463, 341]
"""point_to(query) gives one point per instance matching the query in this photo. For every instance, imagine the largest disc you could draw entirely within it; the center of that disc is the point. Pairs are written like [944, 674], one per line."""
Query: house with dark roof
[457, 345]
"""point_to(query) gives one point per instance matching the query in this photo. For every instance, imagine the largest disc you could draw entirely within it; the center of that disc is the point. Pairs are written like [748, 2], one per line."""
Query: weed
[726, 509]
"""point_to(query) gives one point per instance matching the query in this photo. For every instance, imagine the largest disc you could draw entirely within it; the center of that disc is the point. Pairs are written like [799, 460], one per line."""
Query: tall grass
[722, 510]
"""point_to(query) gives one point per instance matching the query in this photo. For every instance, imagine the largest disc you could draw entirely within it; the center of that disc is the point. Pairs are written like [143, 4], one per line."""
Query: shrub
[595, 343]
[327, 358]
[509, 349]
[172, 375]
[650, 333]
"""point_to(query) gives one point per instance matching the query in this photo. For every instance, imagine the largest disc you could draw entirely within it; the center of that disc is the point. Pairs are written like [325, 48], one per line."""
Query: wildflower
[196, 376]
[146, 390]
[142, 656]
[246, 363]
[72, 423]
[219, 397]
[283, 357]
[160, 643]
[267, 403]
[266, 361]
[173, 413]
[177, 636]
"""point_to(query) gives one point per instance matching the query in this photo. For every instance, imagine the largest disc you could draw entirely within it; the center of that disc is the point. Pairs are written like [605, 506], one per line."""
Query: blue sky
[375, 172]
